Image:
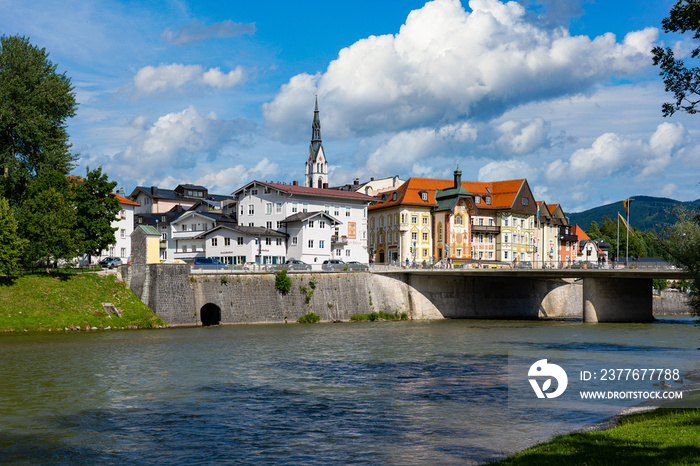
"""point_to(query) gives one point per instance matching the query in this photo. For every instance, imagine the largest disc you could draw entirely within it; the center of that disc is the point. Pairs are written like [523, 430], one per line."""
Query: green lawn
[41, 302]
[660, 437]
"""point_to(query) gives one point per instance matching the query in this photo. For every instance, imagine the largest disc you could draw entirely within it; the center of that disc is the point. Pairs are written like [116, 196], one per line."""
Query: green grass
[372, 316]
[664, 436]
[41, 302]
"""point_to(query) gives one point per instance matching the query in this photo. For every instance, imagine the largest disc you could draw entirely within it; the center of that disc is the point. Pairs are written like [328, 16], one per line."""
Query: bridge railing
[520, 265]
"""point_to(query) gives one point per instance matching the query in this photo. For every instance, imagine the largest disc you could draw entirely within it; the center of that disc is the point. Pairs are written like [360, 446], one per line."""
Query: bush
[309, 318]
[373, 316]
[282, 282]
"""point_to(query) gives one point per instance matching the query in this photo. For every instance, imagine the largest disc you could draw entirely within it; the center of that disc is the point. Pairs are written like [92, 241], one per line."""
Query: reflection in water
[395, 393]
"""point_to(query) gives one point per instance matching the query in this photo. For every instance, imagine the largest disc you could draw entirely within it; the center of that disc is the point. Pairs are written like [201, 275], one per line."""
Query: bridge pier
[617, 299]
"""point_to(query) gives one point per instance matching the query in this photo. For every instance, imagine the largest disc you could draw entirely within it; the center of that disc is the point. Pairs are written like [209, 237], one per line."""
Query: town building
[154, 200]
[432, 220]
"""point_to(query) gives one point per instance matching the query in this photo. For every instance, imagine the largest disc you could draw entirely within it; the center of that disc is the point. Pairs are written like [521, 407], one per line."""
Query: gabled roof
[171, 194]
[306, 191]
[192, 213]
[249, 231]
[304, 216]
[147, 229]
[123, 200]
[503, 193]
[578, 231]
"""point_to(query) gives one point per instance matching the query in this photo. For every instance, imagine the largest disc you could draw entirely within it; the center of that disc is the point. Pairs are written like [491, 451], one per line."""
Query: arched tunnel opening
[210, 315]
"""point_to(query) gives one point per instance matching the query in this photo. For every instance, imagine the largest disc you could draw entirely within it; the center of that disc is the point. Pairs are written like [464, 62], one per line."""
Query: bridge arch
[210, 314]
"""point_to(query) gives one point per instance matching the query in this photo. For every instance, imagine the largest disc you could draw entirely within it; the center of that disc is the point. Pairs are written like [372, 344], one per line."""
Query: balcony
[338, 240]
[565, 237]
[186, 234]
[486, 229]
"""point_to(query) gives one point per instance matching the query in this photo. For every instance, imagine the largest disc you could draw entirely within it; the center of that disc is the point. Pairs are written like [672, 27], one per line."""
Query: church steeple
[316, 129]
[316, 163]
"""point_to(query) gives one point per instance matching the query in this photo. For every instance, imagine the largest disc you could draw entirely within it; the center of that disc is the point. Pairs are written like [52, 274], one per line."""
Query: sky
[561, 92]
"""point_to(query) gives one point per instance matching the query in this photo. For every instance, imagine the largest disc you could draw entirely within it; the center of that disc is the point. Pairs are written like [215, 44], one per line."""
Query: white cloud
[507, 170]
[196, 31]
[150, 79]
[231, 178]
[178, 141]
[446, 64]
[523, 137]
[669, 190]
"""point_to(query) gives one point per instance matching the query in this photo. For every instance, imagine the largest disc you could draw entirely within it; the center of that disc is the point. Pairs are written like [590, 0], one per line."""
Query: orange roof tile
[578, 231]
[123, 200]
[503, 193]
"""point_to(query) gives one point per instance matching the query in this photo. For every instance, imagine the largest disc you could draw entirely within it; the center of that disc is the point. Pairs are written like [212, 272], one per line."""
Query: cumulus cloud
[507, 170]
[522, 137]
[152, 79]
[231, 178]
[179, 140]
[196, 31]
[447, 64]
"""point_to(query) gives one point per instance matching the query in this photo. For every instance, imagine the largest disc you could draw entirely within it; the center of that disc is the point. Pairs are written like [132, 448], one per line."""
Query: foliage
[682, 242]
[682, 81]
[95, 209]
[11, 245]
[373, 316]
[660, 284]
[593, 231]
[309, 318]
[282, 282]
[308, 292]
[35, 102]
[47, 219]
[39, 302]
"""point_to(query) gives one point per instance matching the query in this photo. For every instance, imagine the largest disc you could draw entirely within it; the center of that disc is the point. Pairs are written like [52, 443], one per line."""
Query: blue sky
[561, 92]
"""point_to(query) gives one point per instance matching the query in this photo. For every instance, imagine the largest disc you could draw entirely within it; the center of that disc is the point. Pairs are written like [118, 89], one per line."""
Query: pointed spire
[316, 128]
[458, 176]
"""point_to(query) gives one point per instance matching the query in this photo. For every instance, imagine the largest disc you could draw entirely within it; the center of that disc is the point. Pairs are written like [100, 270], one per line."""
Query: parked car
[293, 264]
[523, 265]
[354, 265]
[333, 264]
[254, 266]
[209, 263]
[110, 262]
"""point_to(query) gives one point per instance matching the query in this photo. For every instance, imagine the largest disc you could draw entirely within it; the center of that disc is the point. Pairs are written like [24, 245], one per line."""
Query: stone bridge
[183, 298]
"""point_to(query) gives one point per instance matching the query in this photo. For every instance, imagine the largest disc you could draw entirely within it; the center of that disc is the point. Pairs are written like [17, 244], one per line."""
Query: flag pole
[617, 255]
[627, 245]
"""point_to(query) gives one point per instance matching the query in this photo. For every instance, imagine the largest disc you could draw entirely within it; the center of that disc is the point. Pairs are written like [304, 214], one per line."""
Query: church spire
[316, 129]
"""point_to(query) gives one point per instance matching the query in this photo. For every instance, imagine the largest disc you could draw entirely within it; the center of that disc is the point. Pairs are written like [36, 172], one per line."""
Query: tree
[96, 209]
[48, 219]
[682, 81]
[35, 102]
[11, 245]
[682, 242]
[593, 231]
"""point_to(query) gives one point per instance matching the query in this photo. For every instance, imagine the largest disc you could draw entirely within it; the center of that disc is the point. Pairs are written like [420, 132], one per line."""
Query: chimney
[325, 185]
[154, 190]
[121, 192]
[356, 181]
[371, 179]
[295, 183]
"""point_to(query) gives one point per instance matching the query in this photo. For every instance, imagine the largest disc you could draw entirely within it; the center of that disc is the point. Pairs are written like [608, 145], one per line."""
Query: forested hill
[646, 213]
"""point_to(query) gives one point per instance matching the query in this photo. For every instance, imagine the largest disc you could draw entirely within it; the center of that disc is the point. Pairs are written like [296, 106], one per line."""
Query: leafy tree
[11, 245]
[48, 219]
[593, 231]
[684, 82]
[95, 209]
[682, 242]
[35, 102]
[282, 282]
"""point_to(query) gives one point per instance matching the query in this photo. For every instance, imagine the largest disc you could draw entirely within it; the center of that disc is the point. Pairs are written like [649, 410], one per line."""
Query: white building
[236, 245]
[124, 225]
[321, 223]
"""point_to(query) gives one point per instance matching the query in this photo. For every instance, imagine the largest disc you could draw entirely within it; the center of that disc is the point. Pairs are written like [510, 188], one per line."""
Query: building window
[251, 209]
[253, 192]
[278, 207]
[239, 240]
[426, 220]
[488, 200]
[505, 222]
[322, 224]
[311, 223]
[424, 196]
[336, 211]
[227, 241]
[214, 241]
[268, 208]
[268, 225]
[505, 238]
[279, 225]
[477, 199]
[505, 254]
[321, 243]
[425, 253]
[414, 219]
[268, 241]
[305, 207]
[347, 211]
[381, 222]
[414, 236]
[526, 201]
[459, 220]
[326, 209]
[397, 236]
[294, 241]
[123, 252]
[347, 253]
[295, 209]
[311, 243]
[278, 241]
[425, 236]
[459, 252]
[481, 237]
[389, 220]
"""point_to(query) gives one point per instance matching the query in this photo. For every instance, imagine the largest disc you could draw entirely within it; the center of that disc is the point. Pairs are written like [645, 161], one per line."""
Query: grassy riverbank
[664, 436]
[41, 302]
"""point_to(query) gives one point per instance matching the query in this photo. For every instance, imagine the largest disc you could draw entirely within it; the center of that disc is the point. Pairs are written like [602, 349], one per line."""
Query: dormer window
[526, 201]
[424, 196]
[393, 196]
[488, 200]
[477, 199]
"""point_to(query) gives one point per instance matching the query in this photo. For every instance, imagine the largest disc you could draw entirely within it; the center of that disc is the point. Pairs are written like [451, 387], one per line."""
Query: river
[379, 393]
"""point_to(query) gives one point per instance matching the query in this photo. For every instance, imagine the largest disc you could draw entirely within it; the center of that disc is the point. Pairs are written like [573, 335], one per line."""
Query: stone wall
[671, 303]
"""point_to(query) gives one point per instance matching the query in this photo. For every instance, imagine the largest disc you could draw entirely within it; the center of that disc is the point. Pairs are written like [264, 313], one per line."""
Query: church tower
[316, 163]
